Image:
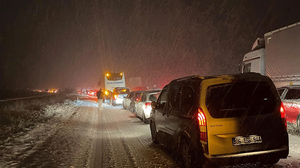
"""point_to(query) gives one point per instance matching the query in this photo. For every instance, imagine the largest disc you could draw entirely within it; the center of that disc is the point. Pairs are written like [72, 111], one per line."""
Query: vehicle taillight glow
[147, 105]
[202, 125]
[201, 118]
[282, 111]
[283, 114]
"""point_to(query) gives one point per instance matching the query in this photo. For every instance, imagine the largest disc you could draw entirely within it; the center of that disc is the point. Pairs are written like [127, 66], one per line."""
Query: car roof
[234, 76]
[290, 87]
[121, 87]
[152, 91]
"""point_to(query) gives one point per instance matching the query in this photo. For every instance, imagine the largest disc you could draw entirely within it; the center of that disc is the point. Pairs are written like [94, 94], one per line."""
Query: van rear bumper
[249, 156]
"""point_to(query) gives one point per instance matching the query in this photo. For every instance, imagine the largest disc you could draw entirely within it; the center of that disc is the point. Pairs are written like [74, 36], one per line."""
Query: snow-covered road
[126, 142]
[82, 135]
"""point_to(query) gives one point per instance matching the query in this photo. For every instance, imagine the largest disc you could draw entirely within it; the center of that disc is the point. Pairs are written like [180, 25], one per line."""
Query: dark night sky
[69, 43]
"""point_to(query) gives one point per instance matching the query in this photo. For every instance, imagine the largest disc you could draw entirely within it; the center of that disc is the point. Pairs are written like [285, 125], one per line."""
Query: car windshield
[114, 76]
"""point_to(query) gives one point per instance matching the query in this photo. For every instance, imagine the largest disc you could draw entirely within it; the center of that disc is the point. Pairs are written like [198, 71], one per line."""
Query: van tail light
[283, 114]
[115, 97]
[147, 105]
[202, 125]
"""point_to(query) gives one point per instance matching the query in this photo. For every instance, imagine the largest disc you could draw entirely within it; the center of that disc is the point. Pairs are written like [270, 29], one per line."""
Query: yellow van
[224, 119]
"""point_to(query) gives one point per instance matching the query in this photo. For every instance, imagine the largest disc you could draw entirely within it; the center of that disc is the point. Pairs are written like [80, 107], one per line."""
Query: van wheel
[189, 156]
[153, 132]
[186, 153]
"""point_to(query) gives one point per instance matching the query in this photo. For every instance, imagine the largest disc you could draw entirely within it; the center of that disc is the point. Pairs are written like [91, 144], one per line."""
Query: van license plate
[240, 140]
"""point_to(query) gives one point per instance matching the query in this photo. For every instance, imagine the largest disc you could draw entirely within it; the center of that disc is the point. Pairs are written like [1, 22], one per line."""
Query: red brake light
[282, 111]
[201, 118]
[283, 114]
[147, 105]
[202, 125]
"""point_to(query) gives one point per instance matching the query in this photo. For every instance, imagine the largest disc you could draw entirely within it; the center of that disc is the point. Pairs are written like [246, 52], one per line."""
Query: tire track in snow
[121, 155]
[134, 135]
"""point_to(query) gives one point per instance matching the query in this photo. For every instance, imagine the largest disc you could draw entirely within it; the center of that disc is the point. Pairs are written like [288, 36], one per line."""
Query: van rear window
[240, 99]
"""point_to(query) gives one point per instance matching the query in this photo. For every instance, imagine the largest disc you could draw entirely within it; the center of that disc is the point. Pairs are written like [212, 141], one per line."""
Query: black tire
[270, 161]
[153, 132]
[145, 120]
[188, 155]
[131, 108]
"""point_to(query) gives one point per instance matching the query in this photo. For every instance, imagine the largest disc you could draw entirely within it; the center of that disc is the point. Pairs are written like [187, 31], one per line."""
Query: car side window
[187, 98]
[162, 100]
[143, 97]
[293, 94]
[153, 97]
[175, 97]
[247, 68]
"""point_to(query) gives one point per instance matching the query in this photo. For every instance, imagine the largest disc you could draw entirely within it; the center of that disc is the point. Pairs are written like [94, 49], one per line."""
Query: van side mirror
[153, 104]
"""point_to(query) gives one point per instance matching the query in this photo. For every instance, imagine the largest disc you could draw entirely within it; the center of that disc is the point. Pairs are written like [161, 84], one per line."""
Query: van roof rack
[187, 78]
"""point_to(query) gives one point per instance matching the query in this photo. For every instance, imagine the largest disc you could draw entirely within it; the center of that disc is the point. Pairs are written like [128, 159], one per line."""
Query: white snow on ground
[23, 144]
[80, 134]
[293, 159]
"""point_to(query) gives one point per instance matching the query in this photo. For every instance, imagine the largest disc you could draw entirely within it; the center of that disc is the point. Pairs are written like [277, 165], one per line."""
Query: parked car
[221, 119]
[118, 95]
[143, 107]
[135, 98]
[290, 96]
[130, 100]
[127, 100]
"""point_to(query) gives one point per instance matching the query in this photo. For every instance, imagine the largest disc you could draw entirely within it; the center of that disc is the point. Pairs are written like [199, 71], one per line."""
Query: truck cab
[254, 61]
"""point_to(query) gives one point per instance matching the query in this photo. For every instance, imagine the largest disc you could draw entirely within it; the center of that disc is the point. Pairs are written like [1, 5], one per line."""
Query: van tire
[188, 155]
[153, 132]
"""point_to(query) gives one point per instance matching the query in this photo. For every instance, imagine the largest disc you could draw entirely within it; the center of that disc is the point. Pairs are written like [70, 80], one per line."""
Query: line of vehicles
[139, 102]
[229, 118]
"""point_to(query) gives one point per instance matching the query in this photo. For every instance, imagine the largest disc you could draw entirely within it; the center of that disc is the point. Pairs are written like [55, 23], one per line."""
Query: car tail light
[115, 97]
[147, 105]
[202, 125]
[283, 114]
[282, 111]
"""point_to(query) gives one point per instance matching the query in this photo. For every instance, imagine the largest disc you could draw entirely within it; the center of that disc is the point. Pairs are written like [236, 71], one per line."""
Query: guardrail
[25, 98]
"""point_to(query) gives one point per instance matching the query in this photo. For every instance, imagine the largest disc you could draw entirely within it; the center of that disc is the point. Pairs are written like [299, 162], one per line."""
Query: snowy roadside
[32, 125]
